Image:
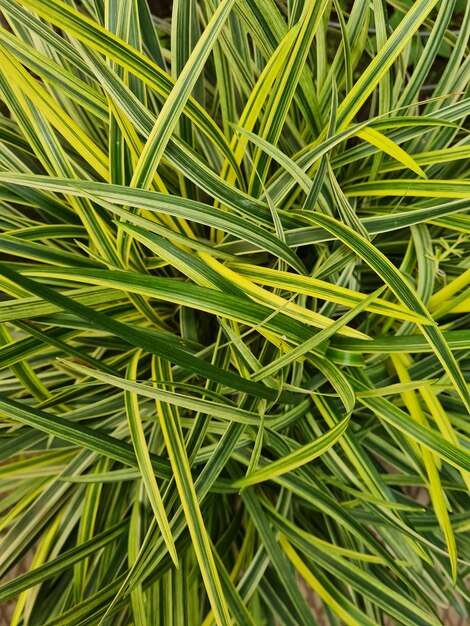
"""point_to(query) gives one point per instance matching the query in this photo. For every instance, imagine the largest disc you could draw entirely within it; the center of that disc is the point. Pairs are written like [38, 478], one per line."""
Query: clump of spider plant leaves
[234, 323]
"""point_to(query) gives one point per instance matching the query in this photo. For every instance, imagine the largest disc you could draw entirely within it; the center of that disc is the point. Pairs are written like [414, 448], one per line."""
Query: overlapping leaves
[234, 314]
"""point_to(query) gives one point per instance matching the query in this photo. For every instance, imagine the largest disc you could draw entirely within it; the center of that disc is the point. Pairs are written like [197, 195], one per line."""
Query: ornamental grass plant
[234, 314]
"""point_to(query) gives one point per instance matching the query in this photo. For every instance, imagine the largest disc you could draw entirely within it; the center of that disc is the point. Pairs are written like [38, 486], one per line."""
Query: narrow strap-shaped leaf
[144, 460]
[311, 343]
[173, 107]
[349, 614]
[153, 201]
[418, 188]
[392, 277]
[400, 363]
[59, 564]
[172, 434]
[385, 144]
[425, 436]
[323, 290]
[373, 588]
[91, 33]
[305, 454]
[379, 66]
[222, 411]
[135, 337]
[76, 433]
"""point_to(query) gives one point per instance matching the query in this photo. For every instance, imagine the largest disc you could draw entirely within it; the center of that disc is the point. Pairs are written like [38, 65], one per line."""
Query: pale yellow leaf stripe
[173, 107]
[97, 37]
[55, 115]
[385, 58]
[418, 188]
[390, 390]
[41, 555]
[263, 296]
[298, 352]
[379, 140]
[325, 291]
[318, 588]
[395, 280]
[258, 96]
[143, 458]
[441, 296]
[214, 409]
[401, 363]
[297, 458]
[461, 307]
[172, 434]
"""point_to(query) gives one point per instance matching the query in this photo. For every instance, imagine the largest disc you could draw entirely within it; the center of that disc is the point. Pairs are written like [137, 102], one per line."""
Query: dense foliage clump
[234, 323]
